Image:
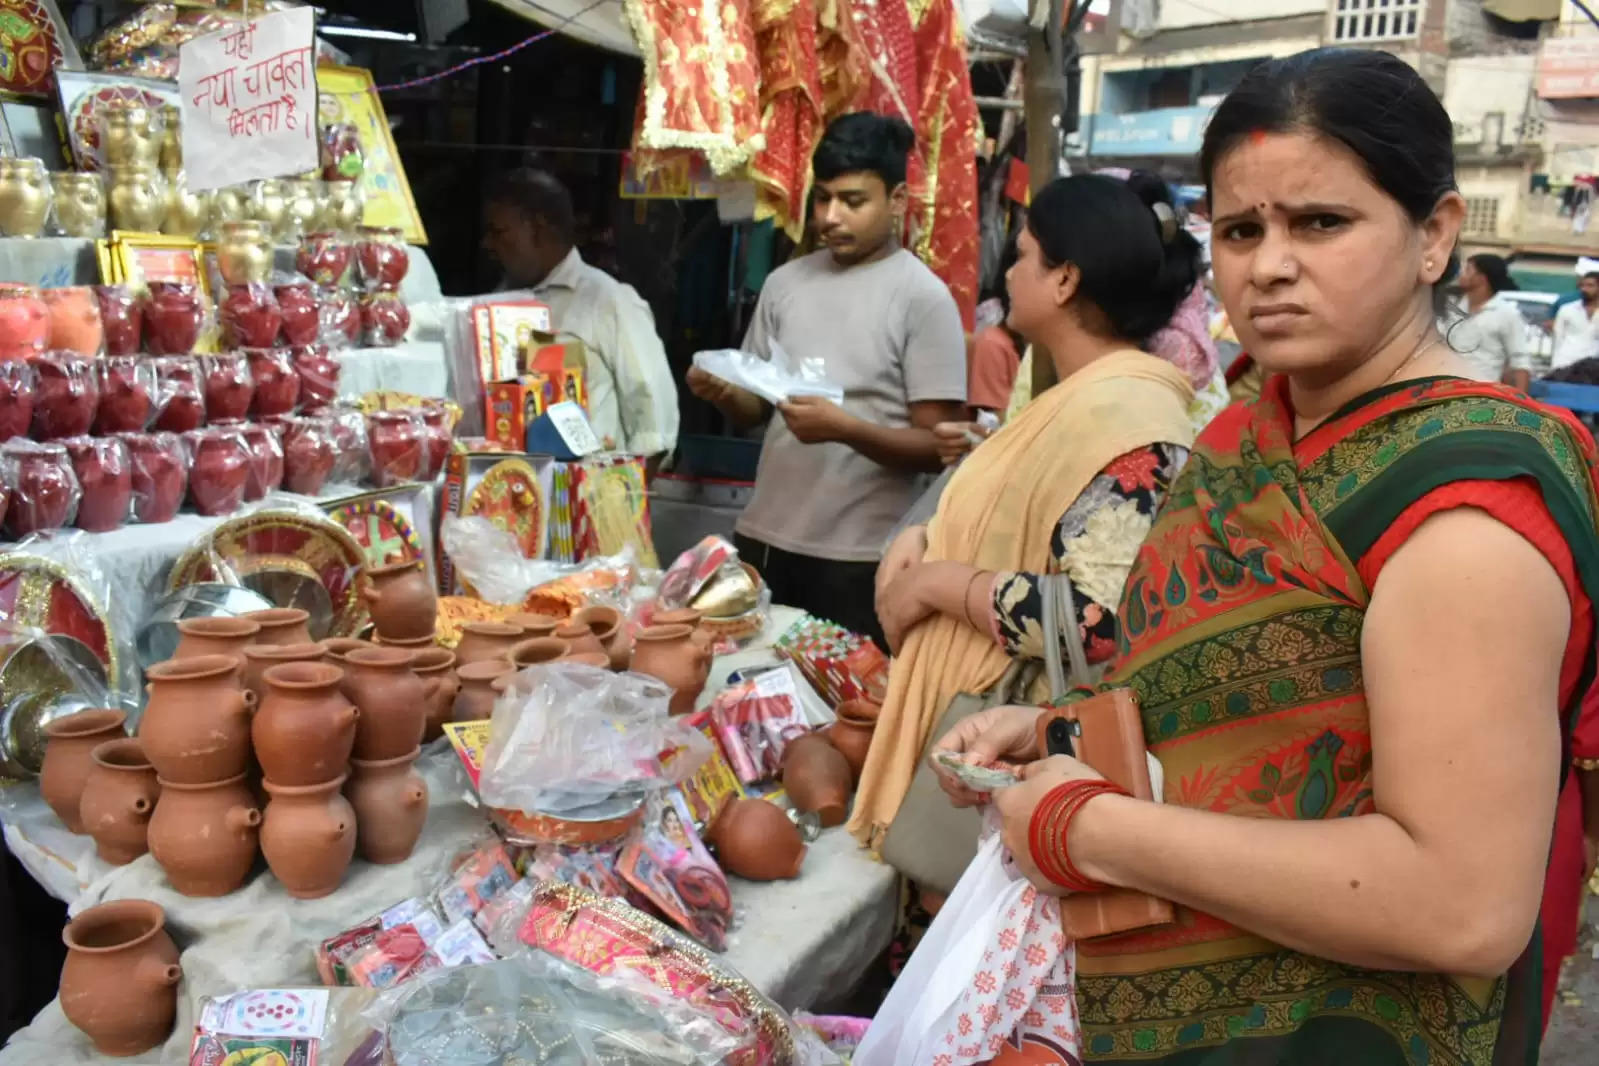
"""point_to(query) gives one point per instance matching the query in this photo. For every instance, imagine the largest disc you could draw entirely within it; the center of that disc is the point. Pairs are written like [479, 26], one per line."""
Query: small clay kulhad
[119, 984]
[118, 799]
[486, 640]
[436, 668]
[670, 654]
[259, 657]
[537, 650]
[852, 732]
[610, 628]
[68, 759]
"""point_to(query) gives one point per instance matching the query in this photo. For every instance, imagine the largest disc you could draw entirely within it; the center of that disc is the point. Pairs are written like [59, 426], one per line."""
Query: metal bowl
[42, 679]
[158, 637]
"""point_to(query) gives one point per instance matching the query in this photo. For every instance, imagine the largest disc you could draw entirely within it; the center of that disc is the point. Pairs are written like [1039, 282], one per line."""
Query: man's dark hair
[864, 142]
[1495, 269]
[540, 195]
[1594, 274]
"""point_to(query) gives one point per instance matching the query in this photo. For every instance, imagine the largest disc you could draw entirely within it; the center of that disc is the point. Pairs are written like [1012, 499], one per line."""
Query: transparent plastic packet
[397, 444]
[287, 1025]
[339, 318]
[310, 452]
[17, 387]
[325, 258]
[250, 316]
[691, 570]
[44, 677]
[266, 456]
[472, 877]
[774, 380]
[319, 374]
[66, 394]
[44, 490]
[127, 394]
[179, 393]
[460, 354]
[385, 318]
[508, 1010]
[160, 474]
[174, 315]
[229, 385]
[490, 560]
[297, 306]
[381, 257]
[121, 319]
[105, 477]
[219, 469]
[566, 736]
[74, 319]
[277, 383]
[348, 424]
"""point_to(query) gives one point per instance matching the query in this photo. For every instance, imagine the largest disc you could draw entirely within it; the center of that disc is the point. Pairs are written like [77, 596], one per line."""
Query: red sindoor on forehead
[1257, 137]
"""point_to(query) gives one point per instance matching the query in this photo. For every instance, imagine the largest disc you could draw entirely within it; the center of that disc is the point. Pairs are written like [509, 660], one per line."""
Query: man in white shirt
[1493, 339]
[528, 225]
[1576, 327]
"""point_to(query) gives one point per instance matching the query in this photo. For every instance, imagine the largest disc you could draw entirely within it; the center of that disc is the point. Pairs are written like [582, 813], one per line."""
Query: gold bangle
[1586, 764]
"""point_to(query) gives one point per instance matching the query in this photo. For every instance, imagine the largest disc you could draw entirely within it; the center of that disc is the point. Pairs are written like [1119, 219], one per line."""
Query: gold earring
[1427, 264]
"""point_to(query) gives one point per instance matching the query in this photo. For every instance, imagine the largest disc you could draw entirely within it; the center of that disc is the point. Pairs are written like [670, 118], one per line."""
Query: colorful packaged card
[715, 782]
[279, 1026]
[669, 865]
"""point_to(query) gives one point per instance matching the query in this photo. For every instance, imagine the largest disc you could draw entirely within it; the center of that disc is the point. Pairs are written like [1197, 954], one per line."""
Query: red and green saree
[1240, 630]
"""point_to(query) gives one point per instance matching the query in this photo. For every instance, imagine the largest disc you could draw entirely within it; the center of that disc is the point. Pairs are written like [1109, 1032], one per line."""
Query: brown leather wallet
[1107, 733]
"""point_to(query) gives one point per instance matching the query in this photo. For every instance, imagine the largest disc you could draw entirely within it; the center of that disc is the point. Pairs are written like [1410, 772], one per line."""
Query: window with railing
[1482, 216]
[1376, 20]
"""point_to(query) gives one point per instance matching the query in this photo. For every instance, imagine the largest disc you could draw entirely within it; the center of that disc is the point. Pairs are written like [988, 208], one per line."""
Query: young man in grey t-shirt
[834, 480]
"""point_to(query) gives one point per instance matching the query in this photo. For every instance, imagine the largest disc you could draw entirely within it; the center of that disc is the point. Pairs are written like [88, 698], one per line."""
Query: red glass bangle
[1051, 823]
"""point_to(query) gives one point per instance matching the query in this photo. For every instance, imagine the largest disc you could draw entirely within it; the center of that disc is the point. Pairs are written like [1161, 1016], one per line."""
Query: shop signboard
[1568, 67]
[1163, 131]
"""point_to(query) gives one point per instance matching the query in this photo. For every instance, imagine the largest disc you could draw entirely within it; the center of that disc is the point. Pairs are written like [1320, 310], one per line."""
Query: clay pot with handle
[205, 836]
[486, 640]
[580, 639]
[402, 601]
[339, 647]
[670, 654]
[756, 841]
[215, 636]
[68, 759]
[475, 701]
[118, 799]
[282, 625]
[392, 700]
[436, 668]
[259, 658]
[611, 629]
[119, 984]
[685, 616]
[305, 727]
[391, 806]
[852, 732]
[818, 778]
[308, 836]
[196, 727]
[538, 650]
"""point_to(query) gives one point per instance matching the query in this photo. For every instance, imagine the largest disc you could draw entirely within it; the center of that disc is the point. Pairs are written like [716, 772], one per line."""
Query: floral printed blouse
[1094, 545]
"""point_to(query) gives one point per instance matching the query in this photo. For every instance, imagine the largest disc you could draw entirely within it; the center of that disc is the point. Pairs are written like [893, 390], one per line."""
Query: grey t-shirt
[889, 333]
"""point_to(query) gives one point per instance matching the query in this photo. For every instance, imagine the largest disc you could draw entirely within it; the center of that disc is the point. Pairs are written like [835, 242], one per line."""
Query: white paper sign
[249, 100]
[573, 426]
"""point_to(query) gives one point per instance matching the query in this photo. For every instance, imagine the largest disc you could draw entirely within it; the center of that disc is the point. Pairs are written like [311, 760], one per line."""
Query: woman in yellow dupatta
[1070, 484]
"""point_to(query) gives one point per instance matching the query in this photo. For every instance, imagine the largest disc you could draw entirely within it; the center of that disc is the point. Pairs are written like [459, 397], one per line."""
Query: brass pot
[24, 197]
[269, 203]
[342, 207]
[79, 203]
[230, 204]
[244, 252]
[188, 212]
[137, 199]
[304, 196]
[130, 135]
[171, 148]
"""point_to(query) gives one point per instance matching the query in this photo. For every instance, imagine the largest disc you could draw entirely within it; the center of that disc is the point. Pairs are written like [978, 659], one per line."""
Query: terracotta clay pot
[818, 778]
[119, 984]
[338, 647]
[259, 658]
[538, 650]
[593, 658]
[68, 759]
[686, 616]
[204, 836]
[402, 600]
[196, 727]
[215, 636]
[756, 841]
[282, 625]
[305, 728]
[391, 806]
[852, 733]
[534, 625]
[418, 644]
[475, 701]
[486, 640]
[670, 654]
[308, 836]
[392, 699]
[118, 799]
[580, 639]
[610, 628]
[430, 664]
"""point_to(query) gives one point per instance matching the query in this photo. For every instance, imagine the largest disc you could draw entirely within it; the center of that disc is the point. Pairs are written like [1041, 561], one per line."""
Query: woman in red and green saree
[1359, 630]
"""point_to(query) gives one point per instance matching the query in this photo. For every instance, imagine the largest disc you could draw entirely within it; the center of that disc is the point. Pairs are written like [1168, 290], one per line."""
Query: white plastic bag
[994, 969]
[773, 380]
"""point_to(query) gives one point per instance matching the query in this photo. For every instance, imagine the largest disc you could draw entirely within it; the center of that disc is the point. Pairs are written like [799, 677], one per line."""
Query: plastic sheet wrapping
[490, 560]
[348, 423]
[276, 1025]
[179, 393]
[319, 374]
[460, 352]
[540, 1011]
[340, 317]
[277, 384]
[692, 570]
[773, 380]
[250, 316]
[397, 442]
[44, 487]
[17, 384]
[159, 467]
[385, 318]
[127, 394]
[121, 319]
[66, 394]
[297, 306]
[325, 258]
[229, 385]
[74, 319]
[566, 736]
[219, 469]
[105, 476]
[310, 451]
[174, 314]
[381, 258]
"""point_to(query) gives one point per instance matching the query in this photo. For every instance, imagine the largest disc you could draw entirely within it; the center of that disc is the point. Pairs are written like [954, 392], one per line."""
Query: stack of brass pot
[130, 135]
[244, 252]
[137, 197]
[269, 203]
[188, 213]
[24, 197]
[170, 153]
[80, 207]
[342, 207]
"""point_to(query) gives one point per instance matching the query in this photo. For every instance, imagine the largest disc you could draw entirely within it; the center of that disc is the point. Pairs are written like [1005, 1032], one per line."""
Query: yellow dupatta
[999, 513]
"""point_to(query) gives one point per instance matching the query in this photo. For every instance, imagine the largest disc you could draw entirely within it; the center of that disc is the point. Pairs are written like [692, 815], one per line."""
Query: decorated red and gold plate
[509, 496]
[82, 114]
[29, 46]
[239, 545]
[384, 534]
[40, 593]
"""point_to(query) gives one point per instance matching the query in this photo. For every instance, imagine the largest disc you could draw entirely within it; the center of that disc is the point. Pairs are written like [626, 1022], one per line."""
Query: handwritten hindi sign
[249, 100]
